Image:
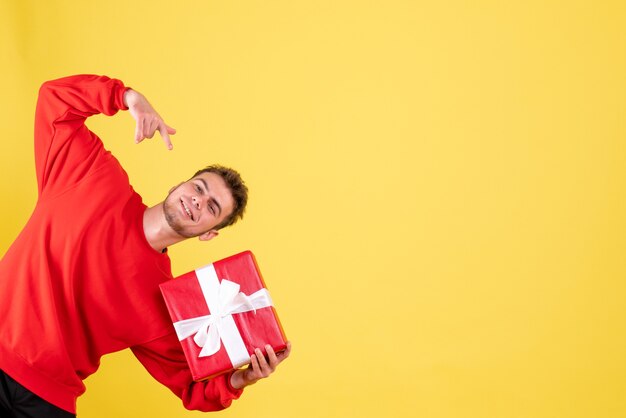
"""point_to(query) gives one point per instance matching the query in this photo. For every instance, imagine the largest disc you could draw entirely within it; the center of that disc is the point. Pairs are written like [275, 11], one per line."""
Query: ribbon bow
[223, 299]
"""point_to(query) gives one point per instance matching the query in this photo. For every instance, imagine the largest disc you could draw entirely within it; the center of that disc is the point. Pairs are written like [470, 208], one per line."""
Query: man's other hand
[259, 367]
[147, 119]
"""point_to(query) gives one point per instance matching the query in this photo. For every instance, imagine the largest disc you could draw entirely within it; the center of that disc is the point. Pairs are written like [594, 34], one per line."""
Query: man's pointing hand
[147, 119]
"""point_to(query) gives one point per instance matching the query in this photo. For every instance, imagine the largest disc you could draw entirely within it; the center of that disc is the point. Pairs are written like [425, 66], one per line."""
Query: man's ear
[208, 235]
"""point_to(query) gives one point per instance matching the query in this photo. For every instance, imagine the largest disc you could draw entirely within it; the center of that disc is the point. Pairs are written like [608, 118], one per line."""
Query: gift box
[221, 313]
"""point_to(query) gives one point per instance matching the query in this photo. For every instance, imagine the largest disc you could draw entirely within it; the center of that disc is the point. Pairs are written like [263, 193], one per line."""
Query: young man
[81, 280]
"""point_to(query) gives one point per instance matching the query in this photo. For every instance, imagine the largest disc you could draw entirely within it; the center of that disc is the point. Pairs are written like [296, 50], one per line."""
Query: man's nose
[196, 201]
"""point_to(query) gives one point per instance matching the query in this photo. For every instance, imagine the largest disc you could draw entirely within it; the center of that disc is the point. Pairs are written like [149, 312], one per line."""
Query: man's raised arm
[65, 149]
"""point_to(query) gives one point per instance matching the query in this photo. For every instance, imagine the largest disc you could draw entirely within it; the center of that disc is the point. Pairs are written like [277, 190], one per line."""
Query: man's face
[198, 205]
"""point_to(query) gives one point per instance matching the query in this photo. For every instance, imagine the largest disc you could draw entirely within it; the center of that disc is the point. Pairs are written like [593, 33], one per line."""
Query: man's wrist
[125, 98]
[129, 97]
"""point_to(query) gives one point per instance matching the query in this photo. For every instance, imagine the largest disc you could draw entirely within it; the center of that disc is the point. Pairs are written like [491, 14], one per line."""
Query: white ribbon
[223, 299]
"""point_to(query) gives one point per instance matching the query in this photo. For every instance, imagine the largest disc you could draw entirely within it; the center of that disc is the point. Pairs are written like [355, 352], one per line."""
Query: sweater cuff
[119, 96]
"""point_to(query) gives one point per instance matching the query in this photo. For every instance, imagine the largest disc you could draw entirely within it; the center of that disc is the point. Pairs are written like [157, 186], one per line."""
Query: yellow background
[437, 189]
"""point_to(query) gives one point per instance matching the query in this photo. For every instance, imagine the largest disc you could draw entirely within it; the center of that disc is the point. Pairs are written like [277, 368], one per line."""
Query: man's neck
[156, 229]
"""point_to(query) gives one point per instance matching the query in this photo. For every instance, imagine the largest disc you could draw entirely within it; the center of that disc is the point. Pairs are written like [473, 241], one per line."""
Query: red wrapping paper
[184, 299]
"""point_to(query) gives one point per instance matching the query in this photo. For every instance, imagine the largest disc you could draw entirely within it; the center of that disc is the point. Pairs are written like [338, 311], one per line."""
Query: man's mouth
[186, 209]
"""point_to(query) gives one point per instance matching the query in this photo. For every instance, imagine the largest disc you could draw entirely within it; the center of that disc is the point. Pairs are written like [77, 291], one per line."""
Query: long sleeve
[65, 150]
[165, 361]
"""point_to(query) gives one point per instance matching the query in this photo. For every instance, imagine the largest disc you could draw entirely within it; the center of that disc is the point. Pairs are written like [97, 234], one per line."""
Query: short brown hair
[237, 188]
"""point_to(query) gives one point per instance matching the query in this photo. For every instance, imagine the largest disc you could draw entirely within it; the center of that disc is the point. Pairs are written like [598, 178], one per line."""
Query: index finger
[165, 135]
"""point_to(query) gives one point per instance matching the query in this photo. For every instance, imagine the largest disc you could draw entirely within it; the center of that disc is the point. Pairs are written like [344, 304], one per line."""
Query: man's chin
[176, 227]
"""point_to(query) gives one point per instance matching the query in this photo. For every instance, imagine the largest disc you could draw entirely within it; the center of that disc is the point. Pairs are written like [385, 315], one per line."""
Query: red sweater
[81, 279]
